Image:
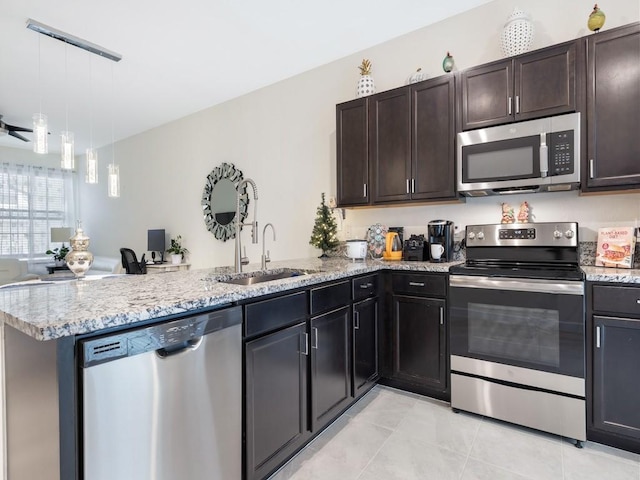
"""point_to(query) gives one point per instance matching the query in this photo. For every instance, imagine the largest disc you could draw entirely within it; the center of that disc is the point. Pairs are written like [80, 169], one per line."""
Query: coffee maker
[440, 235]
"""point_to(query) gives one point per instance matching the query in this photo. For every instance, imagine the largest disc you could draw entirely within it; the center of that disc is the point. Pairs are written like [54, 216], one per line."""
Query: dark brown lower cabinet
[276, 399]
[330, 366]
[616, 387]
[419, 343]
[365, 345]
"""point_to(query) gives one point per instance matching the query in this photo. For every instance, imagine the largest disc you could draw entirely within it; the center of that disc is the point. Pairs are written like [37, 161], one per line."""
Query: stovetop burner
[540, 250]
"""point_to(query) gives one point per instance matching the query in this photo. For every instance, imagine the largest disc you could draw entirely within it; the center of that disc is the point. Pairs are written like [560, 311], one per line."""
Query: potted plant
[58, 255]
[176, 250]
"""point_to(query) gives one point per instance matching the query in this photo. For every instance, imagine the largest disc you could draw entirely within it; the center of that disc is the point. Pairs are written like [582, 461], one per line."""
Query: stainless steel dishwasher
[163, 402]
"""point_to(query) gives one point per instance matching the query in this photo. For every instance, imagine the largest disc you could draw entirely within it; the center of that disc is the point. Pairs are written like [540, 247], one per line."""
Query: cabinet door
[613, 109]
[419, 341]
[330, 377]
[365, 345]
[352, 153]
[276, 399]
[545, 82]
[390, 144]
[433, 139]
[616, 390]
[487, 95]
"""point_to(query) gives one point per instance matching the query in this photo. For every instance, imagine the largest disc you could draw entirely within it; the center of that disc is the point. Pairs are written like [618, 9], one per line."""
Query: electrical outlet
[347, 232]
[332, 202]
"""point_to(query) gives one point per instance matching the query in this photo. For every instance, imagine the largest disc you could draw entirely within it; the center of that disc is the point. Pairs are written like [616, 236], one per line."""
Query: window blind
[32, 200]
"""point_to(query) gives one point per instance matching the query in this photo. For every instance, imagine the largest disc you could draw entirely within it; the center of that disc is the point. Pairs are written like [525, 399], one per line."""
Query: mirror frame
[226, 171]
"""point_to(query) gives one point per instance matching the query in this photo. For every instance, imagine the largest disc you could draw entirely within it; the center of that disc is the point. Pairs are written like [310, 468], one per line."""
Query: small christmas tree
[324, 234]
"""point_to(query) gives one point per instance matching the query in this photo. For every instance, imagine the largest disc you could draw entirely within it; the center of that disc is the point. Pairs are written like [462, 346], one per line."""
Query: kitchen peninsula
[43, 323]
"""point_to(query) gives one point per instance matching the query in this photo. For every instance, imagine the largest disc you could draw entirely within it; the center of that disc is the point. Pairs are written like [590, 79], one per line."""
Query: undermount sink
[251, 278]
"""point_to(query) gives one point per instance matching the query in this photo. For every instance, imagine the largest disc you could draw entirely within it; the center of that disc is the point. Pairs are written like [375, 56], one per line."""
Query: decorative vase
[596, 19]
[517, 35]
[79, 259]
[447, 63]
[365, 86]
[417, 76]
[176, 258]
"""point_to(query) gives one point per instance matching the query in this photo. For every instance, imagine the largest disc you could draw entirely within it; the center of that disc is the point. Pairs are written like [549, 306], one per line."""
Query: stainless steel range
[517, 327]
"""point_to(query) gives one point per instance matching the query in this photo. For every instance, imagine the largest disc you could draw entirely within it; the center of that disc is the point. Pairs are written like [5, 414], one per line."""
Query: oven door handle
[564, 287]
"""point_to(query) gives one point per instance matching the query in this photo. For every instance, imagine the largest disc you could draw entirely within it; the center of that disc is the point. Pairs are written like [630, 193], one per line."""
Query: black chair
[130, 262]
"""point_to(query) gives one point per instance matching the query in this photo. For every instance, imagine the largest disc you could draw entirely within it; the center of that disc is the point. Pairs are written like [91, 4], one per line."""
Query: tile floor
[394, 435]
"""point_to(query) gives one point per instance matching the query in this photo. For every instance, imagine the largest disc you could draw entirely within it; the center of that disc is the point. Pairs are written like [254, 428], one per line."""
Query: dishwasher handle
[178, 348]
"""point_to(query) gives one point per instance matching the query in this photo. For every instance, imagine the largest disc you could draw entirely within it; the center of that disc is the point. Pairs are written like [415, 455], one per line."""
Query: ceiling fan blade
[17, 129]
[17, 135]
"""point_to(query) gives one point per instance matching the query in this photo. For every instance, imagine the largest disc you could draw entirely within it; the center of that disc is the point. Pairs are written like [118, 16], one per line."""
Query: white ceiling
[178, 57]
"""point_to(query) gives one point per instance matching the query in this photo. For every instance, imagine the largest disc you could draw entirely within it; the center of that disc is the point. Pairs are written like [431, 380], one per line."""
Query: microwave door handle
[544, 156]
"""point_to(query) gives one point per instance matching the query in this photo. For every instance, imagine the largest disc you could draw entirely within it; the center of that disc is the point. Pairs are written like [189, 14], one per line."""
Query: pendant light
[40, 127]
[66, 137]
[91, 165]
[113, 180]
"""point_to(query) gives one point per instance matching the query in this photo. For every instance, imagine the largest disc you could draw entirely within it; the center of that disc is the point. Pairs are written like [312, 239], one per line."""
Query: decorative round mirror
[219, 201]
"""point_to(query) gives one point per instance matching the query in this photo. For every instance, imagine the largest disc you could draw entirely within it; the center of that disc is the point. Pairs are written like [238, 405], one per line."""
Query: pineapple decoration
[366, 86]
[596, 19]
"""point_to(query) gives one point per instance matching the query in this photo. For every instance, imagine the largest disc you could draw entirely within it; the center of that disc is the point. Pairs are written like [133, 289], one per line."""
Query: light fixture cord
[66, 90]
[39, 77]
[91, 103]
[113, 109]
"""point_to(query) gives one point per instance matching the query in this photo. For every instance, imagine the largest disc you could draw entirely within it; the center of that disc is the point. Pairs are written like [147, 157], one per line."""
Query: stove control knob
[480, 236]
[471, 236]
[569, 234]
[557, 234]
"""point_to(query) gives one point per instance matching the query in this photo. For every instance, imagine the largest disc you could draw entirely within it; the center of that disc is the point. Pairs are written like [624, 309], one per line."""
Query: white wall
[283, 137]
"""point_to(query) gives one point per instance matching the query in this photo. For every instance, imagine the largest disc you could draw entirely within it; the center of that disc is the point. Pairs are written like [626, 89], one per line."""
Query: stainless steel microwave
[532, 156]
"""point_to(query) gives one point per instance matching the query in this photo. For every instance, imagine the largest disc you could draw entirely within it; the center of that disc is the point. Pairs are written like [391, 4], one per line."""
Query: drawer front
[420, 284]
[330, 297]
[268, 315]
[365, 287]
[616, 299]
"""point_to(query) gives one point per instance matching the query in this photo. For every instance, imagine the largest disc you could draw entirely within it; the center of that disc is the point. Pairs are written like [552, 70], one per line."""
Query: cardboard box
[615, 247]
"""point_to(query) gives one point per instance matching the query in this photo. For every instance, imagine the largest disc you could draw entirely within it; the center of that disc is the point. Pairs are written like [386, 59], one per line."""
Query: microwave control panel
[561, 153]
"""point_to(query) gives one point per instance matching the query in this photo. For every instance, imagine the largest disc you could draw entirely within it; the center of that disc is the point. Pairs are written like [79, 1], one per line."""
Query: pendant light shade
[91, 166]
[40, 132]
[113, 182]
[66, 149]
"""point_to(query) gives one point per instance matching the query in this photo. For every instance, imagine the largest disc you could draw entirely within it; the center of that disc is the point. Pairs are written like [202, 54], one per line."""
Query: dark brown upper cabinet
[411, 142]
[533, 85]
[352, 153]
[613, 110]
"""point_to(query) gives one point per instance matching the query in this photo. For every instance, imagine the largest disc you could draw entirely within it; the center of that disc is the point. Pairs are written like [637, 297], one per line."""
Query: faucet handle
[267, 258]
[244, 260]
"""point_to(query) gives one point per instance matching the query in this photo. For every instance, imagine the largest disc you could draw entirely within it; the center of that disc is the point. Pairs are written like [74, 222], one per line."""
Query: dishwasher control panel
[164, 338]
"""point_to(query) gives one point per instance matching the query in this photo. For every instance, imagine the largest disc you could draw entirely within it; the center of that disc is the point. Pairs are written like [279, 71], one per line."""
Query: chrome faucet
[265, 258]
[239, 260]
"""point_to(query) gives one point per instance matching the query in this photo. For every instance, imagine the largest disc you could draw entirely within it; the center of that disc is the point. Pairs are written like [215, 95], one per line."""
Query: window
[32, 200]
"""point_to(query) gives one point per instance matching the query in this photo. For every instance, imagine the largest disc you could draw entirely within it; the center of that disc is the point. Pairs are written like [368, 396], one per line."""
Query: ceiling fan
[6, 129]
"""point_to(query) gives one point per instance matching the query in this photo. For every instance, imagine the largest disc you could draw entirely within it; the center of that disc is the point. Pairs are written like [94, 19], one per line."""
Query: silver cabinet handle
[408, 191]
[306, 344]
[517, 103]
[364, 185]
[356, 321]
[638, 301]
[591, 174]
[509, 105]
[441, 315]
[413, 185]
[416, 284]
[598, 336]
[315, 338]
[365, 286]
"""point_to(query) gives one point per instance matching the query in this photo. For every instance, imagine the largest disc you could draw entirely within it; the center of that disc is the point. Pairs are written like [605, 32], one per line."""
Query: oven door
[528, 323]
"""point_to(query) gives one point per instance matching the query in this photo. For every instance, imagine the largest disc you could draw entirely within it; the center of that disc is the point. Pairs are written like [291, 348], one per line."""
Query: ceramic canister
[356, 249]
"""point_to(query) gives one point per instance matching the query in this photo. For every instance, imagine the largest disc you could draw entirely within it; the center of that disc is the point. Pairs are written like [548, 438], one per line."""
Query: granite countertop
[47, 310]
[602, 274]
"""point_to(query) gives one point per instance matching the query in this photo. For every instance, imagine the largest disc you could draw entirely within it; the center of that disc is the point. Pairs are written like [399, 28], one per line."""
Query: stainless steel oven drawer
[544, 411]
